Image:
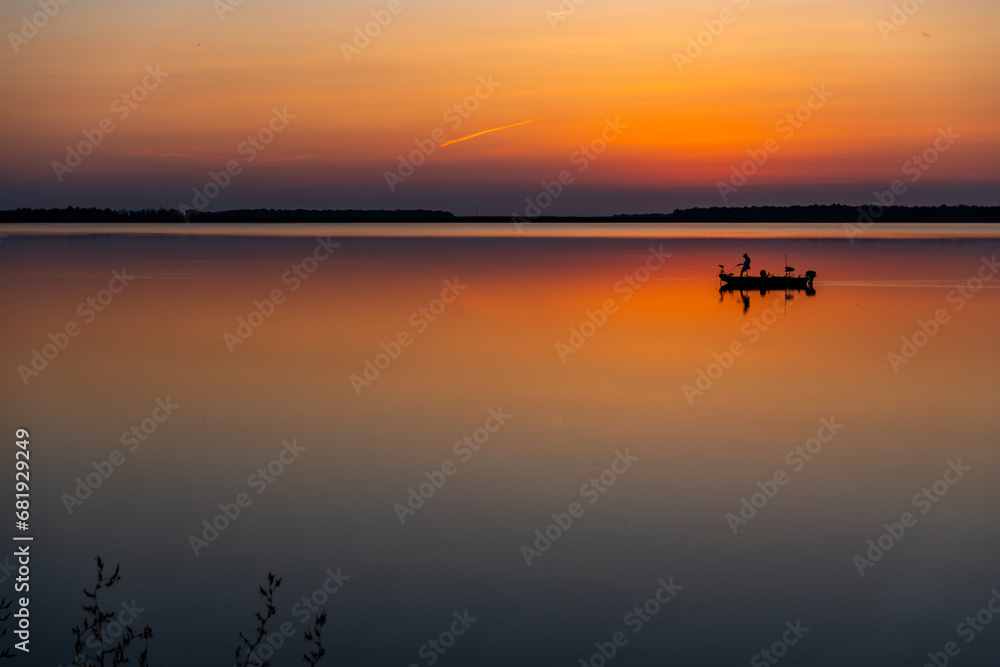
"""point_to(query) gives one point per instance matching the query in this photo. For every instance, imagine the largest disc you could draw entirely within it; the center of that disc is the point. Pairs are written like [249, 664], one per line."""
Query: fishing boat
[767, 281]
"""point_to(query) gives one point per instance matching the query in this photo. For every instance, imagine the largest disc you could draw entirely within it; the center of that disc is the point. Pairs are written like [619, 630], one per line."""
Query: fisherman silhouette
[746, 265]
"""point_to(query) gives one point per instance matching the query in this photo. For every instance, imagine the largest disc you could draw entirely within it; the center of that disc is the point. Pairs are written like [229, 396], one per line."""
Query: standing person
[746, 265]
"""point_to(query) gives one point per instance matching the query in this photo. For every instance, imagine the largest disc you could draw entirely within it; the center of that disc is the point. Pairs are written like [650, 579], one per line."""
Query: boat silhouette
[766, 281]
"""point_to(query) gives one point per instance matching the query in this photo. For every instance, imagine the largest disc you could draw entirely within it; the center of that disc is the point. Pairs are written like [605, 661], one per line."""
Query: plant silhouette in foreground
[245, 644]
[93, 637]
[96, 624]
[247, 650]
[4, 606]
[315, 637]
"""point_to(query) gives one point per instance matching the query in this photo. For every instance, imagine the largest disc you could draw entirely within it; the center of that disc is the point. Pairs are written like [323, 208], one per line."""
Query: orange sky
[226, 71]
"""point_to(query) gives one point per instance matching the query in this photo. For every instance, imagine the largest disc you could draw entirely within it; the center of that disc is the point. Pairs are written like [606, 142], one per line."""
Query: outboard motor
[810, 275]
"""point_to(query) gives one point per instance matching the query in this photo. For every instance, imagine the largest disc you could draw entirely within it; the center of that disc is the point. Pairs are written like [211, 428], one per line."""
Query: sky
[598, 107]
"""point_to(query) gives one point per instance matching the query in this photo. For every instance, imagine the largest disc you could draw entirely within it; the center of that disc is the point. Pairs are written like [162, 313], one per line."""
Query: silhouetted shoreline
[815, 213]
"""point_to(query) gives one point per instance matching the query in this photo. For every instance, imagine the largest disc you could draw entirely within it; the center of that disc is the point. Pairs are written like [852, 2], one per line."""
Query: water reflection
[789, 294]
[752, 429]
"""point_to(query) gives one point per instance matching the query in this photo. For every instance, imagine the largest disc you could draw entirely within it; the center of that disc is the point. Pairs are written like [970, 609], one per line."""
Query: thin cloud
[495, 129]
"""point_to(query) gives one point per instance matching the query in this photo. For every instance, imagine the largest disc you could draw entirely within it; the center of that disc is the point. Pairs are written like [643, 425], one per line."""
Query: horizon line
[913, 231]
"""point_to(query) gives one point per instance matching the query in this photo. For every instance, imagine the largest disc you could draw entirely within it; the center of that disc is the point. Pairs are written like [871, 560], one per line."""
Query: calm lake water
[710, 476]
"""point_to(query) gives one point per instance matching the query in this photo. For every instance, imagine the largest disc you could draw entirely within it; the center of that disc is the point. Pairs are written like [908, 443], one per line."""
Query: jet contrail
[495, 129]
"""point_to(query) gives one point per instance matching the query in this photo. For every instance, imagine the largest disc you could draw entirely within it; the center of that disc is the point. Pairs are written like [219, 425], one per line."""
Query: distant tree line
[823, 213]
[74, 214]
[814, 213]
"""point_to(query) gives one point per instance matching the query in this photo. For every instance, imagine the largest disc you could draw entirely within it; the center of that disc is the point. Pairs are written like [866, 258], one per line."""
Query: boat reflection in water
[745, 297]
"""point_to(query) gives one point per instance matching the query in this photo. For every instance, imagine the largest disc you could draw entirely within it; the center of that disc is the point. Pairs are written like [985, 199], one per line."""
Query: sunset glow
[701, 86]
